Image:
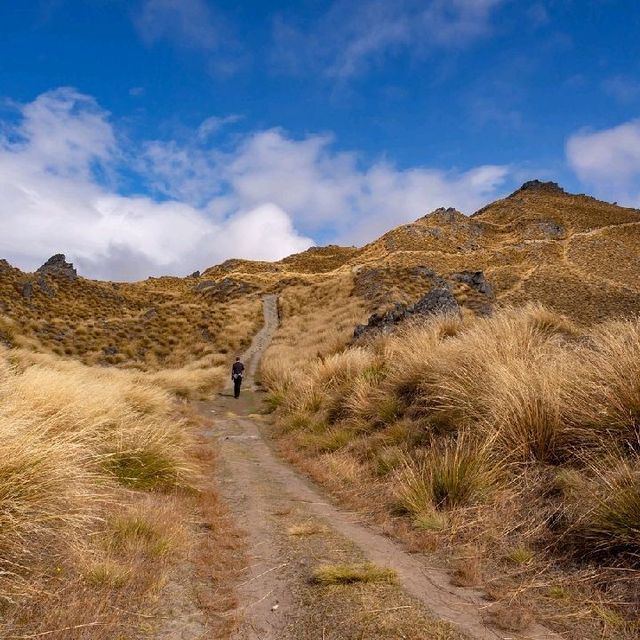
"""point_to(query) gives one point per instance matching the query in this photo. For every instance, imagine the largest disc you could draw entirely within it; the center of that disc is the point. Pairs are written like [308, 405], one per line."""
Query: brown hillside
[575, 254]
[161, 322]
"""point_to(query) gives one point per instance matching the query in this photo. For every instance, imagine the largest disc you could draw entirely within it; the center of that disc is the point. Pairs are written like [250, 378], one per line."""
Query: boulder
[439, 300]
[225, 289]
[476, 280]
[58, 267]
[205, 284]
[552, 229]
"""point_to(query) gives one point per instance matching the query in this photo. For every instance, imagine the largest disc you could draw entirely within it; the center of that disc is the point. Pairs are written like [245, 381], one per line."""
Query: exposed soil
[292, 528]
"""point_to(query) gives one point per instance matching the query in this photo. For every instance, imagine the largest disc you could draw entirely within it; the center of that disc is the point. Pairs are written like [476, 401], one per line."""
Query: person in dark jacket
[237, 371]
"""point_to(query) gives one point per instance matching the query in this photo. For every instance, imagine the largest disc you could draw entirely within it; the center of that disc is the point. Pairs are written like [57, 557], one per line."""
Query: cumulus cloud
[327, 193]
[214, 124]
[624, 89]
[351, 36]
[608, 161]
[54, 200]
[261, 195]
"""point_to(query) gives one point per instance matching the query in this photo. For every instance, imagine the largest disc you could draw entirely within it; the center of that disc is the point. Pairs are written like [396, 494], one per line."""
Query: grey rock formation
[225, 289]
[438, 300]
[205, 284]
[476, 280]
[552, 229]
[540, 186]
[59, 267]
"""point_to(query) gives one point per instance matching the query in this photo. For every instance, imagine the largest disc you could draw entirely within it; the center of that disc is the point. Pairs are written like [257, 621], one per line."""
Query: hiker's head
[237, 358]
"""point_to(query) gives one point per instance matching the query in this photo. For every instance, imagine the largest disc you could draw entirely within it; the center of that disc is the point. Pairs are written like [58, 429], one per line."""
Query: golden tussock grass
[333, 574]
[518, 434]
[97, 488]
[163, 323]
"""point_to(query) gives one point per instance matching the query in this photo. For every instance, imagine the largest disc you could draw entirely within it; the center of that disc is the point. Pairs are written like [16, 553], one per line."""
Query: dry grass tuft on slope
[352, 573]
[517, 436]
[97, 480]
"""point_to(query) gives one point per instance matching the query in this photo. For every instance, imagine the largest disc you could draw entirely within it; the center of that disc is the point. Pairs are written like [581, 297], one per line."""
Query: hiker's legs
[236, 387]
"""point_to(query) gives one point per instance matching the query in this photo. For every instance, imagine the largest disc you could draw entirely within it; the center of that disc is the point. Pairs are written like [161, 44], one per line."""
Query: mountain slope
[575, 254]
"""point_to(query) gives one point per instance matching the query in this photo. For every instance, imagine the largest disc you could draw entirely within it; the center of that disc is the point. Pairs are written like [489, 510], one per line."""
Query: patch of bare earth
[198, 599]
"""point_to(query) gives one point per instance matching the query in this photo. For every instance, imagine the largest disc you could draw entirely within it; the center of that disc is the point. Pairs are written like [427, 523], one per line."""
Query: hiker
[236, 375]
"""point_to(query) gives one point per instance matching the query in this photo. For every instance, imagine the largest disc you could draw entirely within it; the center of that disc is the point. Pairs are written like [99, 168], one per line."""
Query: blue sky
[158, 136]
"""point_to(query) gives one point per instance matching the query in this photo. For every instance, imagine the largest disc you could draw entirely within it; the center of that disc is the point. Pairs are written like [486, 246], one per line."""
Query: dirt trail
[269, 500]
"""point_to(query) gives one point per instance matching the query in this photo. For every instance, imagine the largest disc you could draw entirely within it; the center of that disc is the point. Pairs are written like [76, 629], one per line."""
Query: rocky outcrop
[552, 230]
[472, 287]
[439, 300]
[205, 284]
[58, 267]
[225, 289]
[5, 266]
[540, 186]
[474, 279]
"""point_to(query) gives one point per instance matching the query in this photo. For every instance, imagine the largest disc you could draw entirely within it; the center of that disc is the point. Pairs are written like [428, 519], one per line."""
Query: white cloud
[351, 36]
[64, 132]
[52, 201]
[261, 195]
[196, 25]
[214, 124]
[609, 161]
[327, 190]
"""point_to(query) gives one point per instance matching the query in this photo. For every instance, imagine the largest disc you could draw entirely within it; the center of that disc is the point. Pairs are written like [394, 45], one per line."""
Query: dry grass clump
[607, 398]
[606, 522]
[517, 434]
[74, 441]
[316, 319]
[454, 474]
[332, 574]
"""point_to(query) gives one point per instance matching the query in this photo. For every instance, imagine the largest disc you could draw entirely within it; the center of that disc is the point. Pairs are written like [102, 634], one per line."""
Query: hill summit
[574, 254]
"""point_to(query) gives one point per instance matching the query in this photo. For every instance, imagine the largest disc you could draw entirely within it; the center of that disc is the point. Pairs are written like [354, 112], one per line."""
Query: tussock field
[98, 479]
[161, 323]
[508, 446]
